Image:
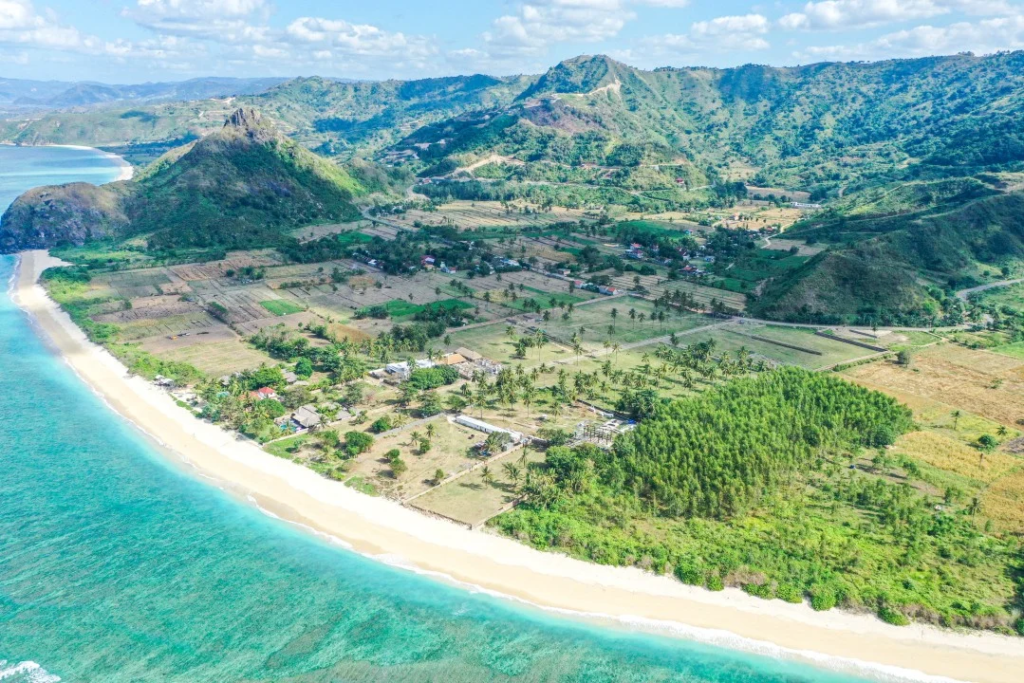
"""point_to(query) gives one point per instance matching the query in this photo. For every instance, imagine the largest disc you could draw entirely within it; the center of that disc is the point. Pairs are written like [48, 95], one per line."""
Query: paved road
[964, 294]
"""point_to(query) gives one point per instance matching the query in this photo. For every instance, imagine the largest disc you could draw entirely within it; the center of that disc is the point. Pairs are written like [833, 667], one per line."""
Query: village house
[306, 417]
[263, 393]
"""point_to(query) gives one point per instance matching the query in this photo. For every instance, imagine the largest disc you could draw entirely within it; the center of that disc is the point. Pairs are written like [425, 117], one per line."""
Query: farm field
[656, 286]
[592, 323]
[217, 357]
[281, 307]
[488, 215]
[955, 406]
[982, 382]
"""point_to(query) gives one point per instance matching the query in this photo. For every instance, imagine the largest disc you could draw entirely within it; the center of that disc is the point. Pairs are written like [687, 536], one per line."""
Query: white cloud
[731, 33]
[834, 15]
[200, 9]
[540, 23]
[229, 21]
[983, 37]
[22, 25]
[663, 3]
[356, 39]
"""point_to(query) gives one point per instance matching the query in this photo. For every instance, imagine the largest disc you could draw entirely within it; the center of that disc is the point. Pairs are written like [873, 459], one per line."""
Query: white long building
[486, 427]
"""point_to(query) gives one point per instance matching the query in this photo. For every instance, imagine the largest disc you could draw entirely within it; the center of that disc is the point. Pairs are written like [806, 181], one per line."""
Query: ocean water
[118, 565]
[22, 168]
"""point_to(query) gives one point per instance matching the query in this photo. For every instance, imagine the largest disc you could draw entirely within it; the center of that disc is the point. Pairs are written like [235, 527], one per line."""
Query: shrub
[892, 616]
[760, 590]
[357, 442]
[432, 378]
[398, 467]
[715, 583]
[823, 598]
[789, 593]
[381, 424]
[689, 575]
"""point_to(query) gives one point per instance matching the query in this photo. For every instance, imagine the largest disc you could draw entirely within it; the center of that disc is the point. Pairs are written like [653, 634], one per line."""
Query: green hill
[242, 186]
[820, 127]
[898, 252]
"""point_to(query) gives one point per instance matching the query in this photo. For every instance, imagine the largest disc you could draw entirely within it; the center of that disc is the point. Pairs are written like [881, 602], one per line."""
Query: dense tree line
[717, 454]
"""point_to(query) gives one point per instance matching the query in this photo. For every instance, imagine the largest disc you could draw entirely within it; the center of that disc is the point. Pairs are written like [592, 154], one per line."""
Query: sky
[134, 41]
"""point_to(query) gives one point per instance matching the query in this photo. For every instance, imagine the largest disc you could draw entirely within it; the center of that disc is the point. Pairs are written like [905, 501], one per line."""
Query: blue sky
[128, 41]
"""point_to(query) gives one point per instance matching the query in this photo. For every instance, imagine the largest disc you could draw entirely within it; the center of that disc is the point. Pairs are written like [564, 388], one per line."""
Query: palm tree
[615, 314]
[486, 475]
[956, 419]
[974, 507]
[632, 316]
[513, 472]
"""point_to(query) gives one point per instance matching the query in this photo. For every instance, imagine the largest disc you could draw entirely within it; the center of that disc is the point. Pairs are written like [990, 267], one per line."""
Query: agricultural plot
[466, 215]
[656, 286]
[133, 284]
[985, 383]
[170, 325]
[593, 320]
[281, 306]
[216, 357]
[493, 343]
[235, 261]
[786, 345]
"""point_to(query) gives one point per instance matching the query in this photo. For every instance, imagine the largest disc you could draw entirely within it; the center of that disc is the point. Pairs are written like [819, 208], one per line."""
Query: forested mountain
[241, 186]
[818, 127]
[60, 94]
[330, 116]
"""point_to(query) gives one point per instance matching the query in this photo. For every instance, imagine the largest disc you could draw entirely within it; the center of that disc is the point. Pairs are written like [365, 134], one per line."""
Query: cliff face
[240, 187]
[60, 214]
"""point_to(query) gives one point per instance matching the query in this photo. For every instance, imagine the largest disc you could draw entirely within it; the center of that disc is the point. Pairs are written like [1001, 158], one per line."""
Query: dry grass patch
[984, 383]
[952, 455]
[1003, 501]
[219, 358]
[449, 452]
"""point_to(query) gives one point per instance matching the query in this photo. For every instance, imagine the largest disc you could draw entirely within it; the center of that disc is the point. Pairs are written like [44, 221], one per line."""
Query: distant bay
[116, 565]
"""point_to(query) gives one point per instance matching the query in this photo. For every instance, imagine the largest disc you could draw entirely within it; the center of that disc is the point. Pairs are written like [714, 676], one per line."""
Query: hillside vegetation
[753, 484]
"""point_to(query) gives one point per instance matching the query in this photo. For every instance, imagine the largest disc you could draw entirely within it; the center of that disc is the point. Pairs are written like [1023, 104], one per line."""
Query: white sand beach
[860, 644]
[127, 170]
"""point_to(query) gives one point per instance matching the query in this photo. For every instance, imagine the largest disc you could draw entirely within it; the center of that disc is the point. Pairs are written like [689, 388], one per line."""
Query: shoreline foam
[127, 171]
[856, 644]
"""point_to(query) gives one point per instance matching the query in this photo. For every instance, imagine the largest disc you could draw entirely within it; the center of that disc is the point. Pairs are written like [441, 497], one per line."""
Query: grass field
[595, 320]
[472, 500]
[449, 452]
[400, 309]
[958, 395]
[281, 307]
[219, 358]
[986, 383]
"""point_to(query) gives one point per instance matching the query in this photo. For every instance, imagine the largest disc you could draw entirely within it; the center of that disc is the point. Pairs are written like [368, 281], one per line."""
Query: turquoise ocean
[117, 565]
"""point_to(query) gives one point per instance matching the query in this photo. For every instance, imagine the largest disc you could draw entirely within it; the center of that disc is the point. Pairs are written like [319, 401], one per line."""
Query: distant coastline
[127, 171]
[856, 644]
